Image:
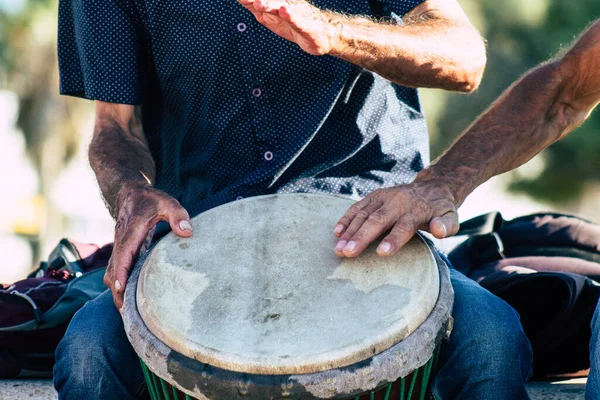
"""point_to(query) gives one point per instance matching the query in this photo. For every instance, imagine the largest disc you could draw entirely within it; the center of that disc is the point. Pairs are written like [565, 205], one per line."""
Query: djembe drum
[256, 305]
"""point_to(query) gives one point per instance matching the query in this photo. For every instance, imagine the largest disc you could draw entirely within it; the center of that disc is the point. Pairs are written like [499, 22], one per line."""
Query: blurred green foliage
[520, 35]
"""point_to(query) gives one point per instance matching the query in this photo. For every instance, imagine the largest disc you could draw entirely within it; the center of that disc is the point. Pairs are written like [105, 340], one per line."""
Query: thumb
[179, 220]
[444, 226]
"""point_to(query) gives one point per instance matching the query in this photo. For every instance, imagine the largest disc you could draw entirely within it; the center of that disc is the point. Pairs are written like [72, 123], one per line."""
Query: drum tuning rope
[427, 369]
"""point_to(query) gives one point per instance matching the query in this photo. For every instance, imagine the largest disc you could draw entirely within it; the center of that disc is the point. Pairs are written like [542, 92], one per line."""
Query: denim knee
[95, 359]
[487, 355]
[500, 341]
[495, 332]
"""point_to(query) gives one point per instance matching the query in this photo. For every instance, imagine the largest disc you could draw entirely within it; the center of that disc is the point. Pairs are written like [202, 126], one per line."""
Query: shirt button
[257, 92]
[268, 156]
[242, 27]
[239, 198]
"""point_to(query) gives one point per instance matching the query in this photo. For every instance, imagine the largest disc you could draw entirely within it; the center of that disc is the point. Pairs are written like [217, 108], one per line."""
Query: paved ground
[43, 390]
[565, 390]
[29, 389]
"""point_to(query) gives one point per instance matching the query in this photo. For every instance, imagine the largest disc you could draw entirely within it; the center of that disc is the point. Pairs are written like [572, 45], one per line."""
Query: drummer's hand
[422, 205]
[139, 210]
[297, 21]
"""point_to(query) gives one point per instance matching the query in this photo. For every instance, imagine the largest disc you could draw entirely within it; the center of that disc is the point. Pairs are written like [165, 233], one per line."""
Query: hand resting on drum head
[426, 204]
[138, 213]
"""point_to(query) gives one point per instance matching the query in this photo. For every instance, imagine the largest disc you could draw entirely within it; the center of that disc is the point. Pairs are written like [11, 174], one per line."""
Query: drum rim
[391, 364]
[339, 356]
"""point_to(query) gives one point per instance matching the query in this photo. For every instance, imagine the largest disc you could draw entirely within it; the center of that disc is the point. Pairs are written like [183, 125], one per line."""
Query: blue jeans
[487, 356]
[592, 389]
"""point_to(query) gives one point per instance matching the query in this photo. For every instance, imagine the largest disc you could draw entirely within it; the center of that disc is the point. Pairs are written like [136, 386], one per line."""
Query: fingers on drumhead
[359, 218]
[372, 228]
[400, 234]
[348, 217]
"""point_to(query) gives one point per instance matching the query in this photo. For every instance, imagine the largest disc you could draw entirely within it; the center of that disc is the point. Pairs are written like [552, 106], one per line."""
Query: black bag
[35, 312]
[546, 266]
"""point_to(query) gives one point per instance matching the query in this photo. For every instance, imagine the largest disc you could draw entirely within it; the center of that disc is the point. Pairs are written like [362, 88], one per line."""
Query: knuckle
[362, 214]
[345, 219]
[404, 227]
[445, 206]
[378, 218]
[358, 237]
[354, 209]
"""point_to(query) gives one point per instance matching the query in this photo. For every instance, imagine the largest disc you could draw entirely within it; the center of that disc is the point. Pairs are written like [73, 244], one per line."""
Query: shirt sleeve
[395, 9]
[100, 51]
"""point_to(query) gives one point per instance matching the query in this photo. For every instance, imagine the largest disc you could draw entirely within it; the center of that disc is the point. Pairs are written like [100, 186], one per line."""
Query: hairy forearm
[120, 157]
[545, 105]
[430, 50]
[505, 136]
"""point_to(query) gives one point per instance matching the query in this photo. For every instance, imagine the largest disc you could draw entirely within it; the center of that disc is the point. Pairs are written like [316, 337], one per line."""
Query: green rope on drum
[387, 392]
[402, 382]
[429, 368]
[412, 384]
[165, 390]
[426, 376]
[436, 355]
[156, 384]
[149, 383]
[175, 394]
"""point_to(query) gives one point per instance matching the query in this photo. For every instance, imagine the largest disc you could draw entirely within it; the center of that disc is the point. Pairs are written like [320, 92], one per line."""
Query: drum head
[257, 289]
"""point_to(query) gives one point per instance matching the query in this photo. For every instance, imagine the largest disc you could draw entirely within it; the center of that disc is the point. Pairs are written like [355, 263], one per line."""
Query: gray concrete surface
[563, 390]
[27, 389]
[43, 390]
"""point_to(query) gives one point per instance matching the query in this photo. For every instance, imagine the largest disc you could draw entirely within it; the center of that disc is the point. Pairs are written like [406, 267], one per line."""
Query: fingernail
[384, 248]
[118, 286]
[185, 226]
[350, 246]
[338, 229]
[340, 245]
[443, 228]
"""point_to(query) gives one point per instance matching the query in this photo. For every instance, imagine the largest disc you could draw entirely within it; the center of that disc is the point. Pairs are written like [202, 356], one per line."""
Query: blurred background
[47, 190]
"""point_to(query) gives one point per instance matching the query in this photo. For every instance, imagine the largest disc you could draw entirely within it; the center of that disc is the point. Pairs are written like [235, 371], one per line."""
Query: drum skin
[367, 367]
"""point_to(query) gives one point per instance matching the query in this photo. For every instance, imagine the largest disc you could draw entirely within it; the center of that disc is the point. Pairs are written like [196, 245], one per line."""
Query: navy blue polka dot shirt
[232, 110]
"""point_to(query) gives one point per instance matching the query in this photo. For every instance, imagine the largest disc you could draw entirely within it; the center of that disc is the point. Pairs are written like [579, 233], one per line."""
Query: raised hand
[139, 211]
[401, 210]
[298, 21]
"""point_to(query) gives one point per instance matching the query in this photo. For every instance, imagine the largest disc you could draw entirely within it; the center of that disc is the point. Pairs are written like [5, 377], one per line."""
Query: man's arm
[436, 47]
[541, 108]
[121, 159]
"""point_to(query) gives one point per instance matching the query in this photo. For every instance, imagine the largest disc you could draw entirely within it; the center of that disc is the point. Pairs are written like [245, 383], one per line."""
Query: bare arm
[436, 47]
[123, 164]
[119, 153]
[541, 108]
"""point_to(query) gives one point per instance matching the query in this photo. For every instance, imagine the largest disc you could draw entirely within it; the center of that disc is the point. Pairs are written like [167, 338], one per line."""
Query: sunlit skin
[437, 47]
[542, 107]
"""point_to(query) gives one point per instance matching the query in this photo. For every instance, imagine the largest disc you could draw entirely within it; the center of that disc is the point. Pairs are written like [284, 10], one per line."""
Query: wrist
[127, 191]
[457, 183]
[335, 30]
